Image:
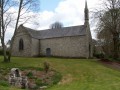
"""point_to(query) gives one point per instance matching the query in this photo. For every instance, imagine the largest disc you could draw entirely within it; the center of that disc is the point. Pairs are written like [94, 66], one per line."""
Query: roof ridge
[49, 29]
[28, 28]
[49, 33]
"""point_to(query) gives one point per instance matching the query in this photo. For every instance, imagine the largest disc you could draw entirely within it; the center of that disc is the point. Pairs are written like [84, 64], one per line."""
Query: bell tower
[86, 13]
[89, 49]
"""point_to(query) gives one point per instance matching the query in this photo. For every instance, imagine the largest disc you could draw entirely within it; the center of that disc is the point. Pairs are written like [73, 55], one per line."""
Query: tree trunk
[116, 46]
[11, 45]
[4, 50]
[3, 32]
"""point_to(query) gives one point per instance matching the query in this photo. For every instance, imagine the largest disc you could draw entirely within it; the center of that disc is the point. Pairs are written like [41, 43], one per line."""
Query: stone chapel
[72, 42]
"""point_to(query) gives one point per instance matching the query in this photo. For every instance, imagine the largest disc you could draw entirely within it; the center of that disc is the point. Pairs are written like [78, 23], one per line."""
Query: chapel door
[48, 52]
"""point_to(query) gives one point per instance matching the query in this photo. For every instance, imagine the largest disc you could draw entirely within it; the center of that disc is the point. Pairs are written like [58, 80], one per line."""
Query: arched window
[21, 44]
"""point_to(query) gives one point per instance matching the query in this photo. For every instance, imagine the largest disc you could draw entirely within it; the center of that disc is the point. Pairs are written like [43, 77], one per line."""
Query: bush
[99, 55]
[56, 78]
[46, 66]
[4, 83]
[1, 52]
[30, 75]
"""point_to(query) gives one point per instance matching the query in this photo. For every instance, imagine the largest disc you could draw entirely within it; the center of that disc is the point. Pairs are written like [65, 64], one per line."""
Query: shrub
[99, 55]
[56, 78]
[46, 67]
[4, 83]
[30, 75]
[1, 52]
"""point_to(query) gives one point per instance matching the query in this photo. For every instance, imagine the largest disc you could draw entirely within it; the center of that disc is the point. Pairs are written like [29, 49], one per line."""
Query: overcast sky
[68, 12]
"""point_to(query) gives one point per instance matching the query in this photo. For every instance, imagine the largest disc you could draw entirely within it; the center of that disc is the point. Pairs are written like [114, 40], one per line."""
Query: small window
[21, 44]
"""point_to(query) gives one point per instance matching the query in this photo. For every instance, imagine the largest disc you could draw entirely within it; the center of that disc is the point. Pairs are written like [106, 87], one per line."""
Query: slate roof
[53, 33]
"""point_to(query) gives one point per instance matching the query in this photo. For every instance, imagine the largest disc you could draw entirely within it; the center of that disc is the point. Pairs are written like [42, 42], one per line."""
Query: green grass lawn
[78, 74]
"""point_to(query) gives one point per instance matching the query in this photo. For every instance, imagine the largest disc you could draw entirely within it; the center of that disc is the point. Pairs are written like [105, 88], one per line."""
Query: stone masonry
[73, 42]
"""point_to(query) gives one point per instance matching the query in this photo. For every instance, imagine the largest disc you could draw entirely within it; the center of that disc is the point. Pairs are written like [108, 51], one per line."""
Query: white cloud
[11, 14]
[68, 12]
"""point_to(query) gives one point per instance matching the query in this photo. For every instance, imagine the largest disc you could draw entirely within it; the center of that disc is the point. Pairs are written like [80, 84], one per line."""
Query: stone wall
[21, 34]
[89, 44]
[35, 47]
[65, 46]
[74, 46]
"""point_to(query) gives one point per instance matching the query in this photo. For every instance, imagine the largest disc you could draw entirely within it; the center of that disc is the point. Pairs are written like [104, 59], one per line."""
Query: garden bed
[37, 77]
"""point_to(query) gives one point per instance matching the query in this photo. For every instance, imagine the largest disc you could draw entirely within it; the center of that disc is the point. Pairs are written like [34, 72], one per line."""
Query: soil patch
[110, 64]
[66, 79]
[38, 78]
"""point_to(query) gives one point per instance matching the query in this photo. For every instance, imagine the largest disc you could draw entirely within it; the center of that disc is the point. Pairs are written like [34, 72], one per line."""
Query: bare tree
[108, 26]
[106, 39]
[56, 25]
[6, 17]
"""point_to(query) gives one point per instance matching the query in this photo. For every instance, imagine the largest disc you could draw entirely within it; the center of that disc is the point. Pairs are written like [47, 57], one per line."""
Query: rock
[17, 80]
[31, 85]
[43, 87]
